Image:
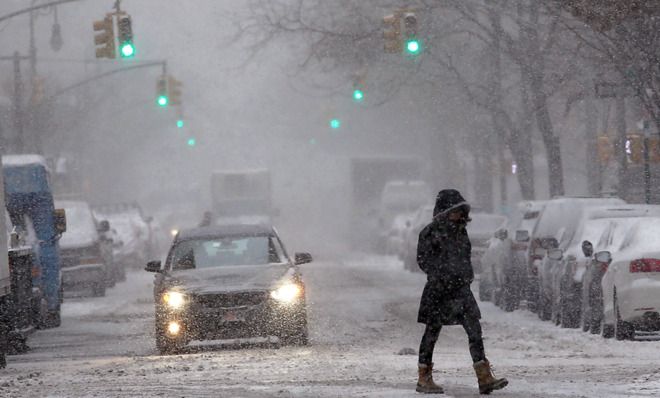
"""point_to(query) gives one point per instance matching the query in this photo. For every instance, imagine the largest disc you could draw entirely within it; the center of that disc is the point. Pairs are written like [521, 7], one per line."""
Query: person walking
[443, 253]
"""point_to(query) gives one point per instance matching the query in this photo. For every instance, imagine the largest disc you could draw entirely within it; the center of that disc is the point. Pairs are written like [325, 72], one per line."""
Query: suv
[86, 261]
[559, 221]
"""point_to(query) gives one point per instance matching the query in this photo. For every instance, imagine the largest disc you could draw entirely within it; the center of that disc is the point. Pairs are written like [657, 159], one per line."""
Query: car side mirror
[522, 235]
[604, 257]
[555, 254]
[59, 216]
[587, 248]
[104, 226]
[153, 266]
[539, 252]
[501, 234]
[302, 258]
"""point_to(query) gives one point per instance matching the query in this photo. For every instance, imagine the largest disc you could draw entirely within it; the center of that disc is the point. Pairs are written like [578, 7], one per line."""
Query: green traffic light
[413, 46]
[179, 123]
[192, 142]
[358, 95]
[335, 124]
[162, 100]
[127, 50]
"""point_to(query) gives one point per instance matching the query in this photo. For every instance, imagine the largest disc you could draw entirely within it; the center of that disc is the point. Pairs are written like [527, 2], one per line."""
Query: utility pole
[622, 139]
[17, 106]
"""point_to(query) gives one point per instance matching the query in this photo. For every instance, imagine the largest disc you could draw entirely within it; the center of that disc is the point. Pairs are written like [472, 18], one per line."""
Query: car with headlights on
[228, 282]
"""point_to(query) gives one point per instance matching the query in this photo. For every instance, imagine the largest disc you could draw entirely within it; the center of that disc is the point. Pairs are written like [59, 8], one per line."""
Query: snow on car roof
[225, 230]
[23, 160]
[242, 171]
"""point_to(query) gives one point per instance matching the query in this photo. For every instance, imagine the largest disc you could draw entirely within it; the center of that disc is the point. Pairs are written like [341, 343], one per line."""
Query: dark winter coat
[443, 253]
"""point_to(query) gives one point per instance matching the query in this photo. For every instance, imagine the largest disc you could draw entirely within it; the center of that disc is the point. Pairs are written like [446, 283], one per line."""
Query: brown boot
[487, 382]
[425, 382]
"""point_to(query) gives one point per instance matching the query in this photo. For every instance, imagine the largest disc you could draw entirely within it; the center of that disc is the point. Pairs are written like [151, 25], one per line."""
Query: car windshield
[226, 251]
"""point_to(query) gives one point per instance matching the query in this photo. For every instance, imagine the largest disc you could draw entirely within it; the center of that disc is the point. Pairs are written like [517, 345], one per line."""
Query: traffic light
[605, 149]
[105, 38]
[335, 124]
[635, 148]
[358, 94]
[125, 36]
[192, 142]
[179, 123]
[392, 33]
[413, 45]
[162, 99]
[174, 90]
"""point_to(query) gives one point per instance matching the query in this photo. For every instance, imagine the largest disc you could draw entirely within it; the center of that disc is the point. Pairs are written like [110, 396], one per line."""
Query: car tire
[484, 291]
[569, 315]
[53, 319]
[622, 330]
[98, 289]
[510, 300]
[585, 320]
[543, 308]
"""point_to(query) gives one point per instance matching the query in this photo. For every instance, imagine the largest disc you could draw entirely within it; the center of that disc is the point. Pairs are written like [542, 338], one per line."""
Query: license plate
[231, 316]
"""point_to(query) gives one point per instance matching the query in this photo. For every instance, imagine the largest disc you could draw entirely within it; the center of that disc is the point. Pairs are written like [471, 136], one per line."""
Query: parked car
[504, 261]
[228, 282]
[480, 230]
[631, 284]
[399, 197]
[570, 270]
[134, 230]
[86, 256]
[397, 233]
[555, 229]
[611, 237]
[420, 219]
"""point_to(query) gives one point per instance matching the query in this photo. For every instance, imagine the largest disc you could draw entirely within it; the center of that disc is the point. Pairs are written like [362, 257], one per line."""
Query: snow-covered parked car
[559, 220]
[399, 197]
[480, 230]
[133, 230]
[86, 256]
[504, 261]
[570, 270]
[631, 284]
[224, 282]
[397, 233]
[420, 219]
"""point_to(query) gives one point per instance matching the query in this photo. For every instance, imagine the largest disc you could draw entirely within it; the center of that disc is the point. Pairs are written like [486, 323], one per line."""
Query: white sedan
[631, 284]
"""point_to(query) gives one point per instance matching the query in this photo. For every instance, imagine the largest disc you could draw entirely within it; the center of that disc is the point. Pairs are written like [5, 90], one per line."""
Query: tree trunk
[535, 69]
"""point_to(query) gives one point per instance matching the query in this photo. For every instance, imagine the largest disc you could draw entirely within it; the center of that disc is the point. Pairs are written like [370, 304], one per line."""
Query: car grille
[231, 300]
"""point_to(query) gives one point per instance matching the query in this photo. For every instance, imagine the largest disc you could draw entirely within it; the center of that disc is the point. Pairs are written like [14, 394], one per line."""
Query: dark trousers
[472, 327]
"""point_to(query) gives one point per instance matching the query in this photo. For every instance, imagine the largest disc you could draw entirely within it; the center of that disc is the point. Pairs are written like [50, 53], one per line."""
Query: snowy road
[362, 313]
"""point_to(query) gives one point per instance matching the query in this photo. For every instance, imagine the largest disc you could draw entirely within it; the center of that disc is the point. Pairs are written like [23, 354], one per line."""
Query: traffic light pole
[162, 64]
[34, 8]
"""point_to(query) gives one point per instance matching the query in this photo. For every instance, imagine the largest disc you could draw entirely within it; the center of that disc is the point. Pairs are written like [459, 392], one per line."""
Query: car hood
[230, 278]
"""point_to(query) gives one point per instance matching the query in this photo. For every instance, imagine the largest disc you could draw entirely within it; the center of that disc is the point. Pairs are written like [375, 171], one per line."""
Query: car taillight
[36, 272]
[520, 247]
[603, 267]
[645, 265]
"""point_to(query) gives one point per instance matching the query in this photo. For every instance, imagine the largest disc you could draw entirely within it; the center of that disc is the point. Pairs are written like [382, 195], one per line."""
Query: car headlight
[174, 300]
[174, 232]
[286, 293]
